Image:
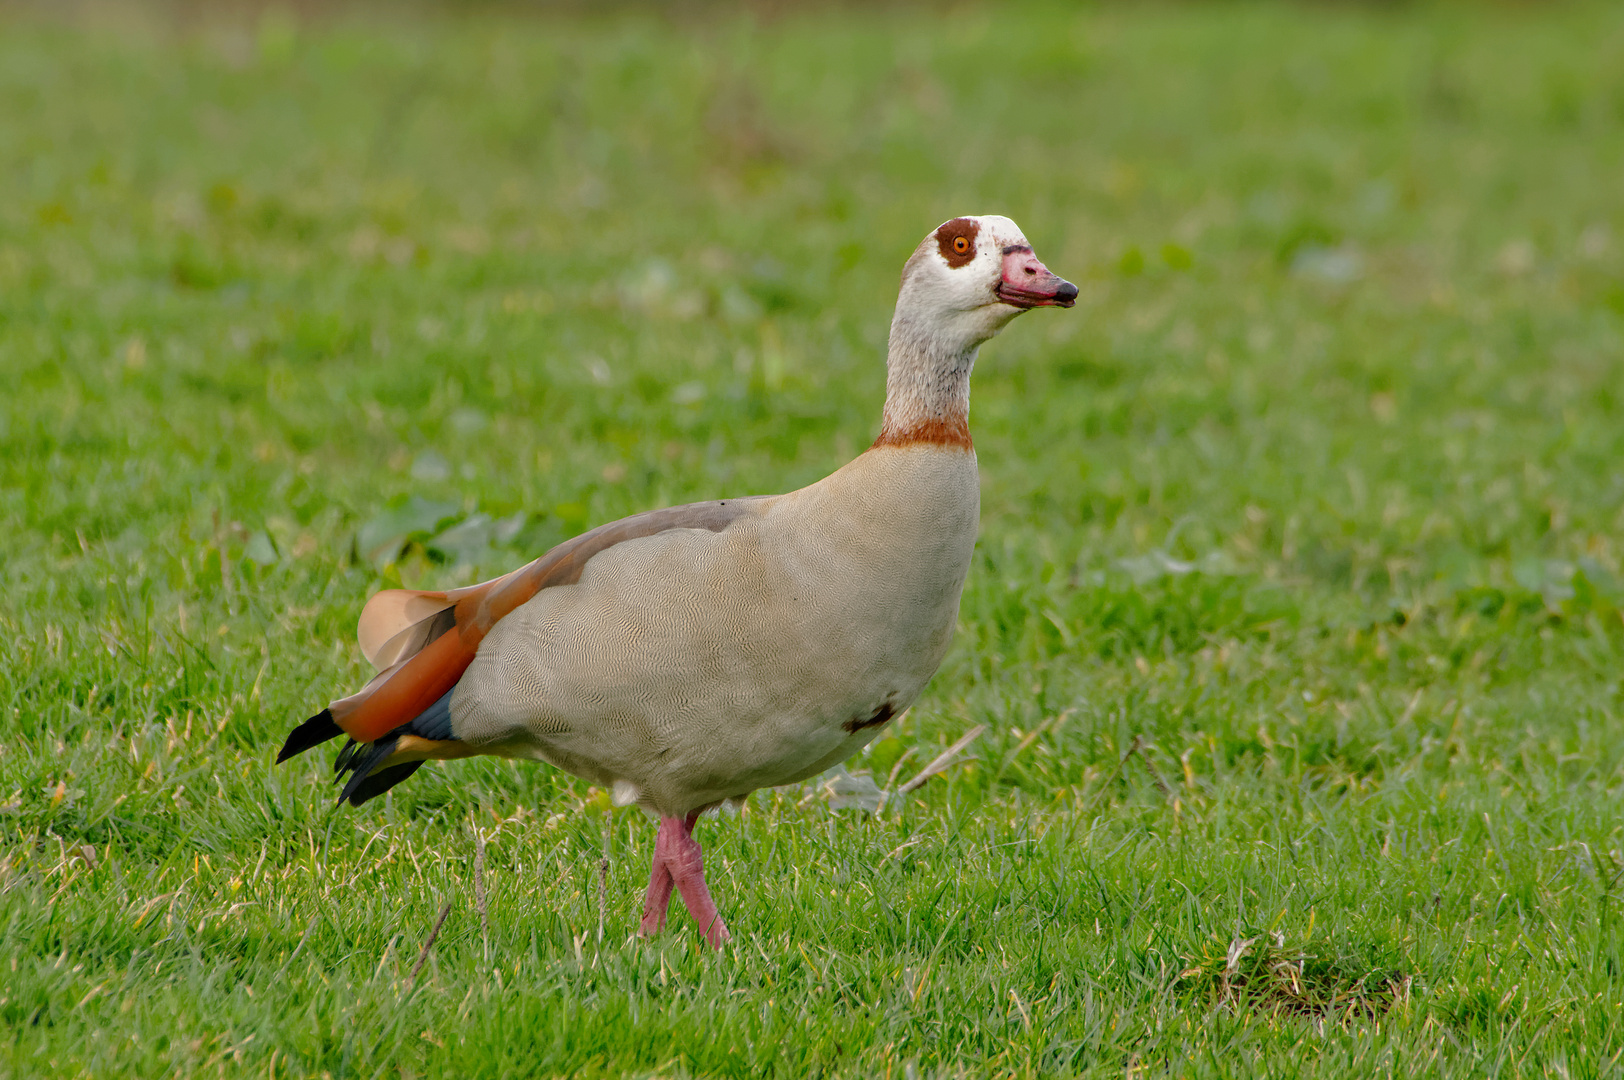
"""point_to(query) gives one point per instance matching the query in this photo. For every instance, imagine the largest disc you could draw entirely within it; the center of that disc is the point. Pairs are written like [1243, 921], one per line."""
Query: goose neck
[927, 389]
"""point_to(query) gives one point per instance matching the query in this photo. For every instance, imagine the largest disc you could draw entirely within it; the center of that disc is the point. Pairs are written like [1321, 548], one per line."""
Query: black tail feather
[345, 755]
[359, 760]
[313, 732]
[379, 782]
[355, 763]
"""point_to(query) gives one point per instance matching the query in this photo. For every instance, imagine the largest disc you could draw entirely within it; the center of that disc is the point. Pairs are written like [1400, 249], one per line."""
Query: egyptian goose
[688, 656]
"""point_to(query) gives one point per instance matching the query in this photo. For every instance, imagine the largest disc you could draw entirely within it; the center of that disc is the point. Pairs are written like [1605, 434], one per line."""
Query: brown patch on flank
[881, 715]
[957, 241]
[401, 692]
[938, 431]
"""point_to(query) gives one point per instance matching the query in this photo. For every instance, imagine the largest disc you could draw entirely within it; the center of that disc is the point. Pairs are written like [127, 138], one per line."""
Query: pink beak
[1027, 283]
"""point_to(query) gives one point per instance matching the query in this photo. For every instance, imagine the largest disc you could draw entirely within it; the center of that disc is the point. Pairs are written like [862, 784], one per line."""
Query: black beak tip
[1066, 296]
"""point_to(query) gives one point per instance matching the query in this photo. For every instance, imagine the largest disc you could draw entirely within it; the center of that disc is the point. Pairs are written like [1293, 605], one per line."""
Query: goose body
[688, 656]
[766, 651]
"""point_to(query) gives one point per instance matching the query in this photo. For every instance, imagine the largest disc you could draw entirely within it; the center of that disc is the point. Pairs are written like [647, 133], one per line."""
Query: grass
[1295, 619]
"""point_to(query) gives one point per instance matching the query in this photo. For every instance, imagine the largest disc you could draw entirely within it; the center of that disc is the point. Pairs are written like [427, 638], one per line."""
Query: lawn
[1294, 622]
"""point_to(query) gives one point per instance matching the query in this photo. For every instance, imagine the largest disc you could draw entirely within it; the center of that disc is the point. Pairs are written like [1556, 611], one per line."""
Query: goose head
[968, 279]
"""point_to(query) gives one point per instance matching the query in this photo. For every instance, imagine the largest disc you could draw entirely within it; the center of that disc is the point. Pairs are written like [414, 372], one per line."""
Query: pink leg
[679, 863]
[657, 898]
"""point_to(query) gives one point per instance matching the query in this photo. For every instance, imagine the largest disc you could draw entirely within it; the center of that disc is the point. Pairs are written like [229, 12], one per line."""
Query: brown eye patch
[957, 241]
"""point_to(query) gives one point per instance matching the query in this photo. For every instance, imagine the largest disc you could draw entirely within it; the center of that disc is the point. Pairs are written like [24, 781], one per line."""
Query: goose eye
[961, 245]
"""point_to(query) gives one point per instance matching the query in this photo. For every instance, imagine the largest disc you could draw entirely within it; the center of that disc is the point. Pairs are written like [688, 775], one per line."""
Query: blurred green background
[1296, 609]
